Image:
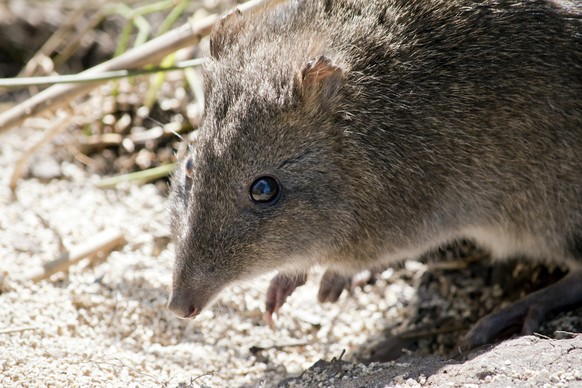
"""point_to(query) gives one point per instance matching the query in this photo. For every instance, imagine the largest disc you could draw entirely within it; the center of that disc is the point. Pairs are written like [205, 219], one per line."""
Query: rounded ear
[320, 80]
[224, 32]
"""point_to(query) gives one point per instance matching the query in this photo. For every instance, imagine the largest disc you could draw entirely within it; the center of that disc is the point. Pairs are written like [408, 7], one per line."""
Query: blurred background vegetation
[125, 125]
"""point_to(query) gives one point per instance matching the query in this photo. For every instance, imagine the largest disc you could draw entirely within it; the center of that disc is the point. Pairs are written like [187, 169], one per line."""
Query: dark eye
[265, 190]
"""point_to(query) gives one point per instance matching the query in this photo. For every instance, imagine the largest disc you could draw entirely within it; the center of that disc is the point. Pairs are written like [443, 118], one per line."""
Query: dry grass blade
[52, 44]
[89, 77]
[17, 329]
[140, 176]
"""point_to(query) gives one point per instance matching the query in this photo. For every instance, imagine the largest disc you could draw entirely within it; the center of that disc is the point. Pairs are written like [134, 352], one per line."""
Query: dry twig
[103, 242]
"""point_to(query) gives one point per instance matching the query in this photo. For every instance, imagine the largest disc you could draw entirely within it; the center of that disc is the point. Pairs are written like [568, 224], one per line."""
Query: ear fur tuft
[225, 32]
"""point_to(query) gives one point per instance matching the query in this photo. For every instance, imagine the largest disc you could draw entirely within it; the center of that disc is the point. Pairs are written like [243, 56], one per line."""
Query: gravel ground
[105, 323]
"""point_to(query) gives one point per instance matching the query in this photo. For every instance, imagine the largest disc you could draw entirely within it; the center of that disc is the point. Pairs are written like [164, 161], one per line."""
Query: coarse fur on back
[391, 127]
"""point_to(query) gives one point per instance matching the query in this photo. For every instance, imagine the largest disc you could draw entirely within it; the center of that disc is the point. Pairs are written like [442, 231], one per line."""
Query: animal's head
[263, 188]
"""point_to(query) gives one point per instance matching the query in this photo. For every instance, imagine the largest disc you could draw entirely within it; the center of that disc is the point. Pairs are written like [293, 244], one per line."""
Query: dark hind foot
[527, 314]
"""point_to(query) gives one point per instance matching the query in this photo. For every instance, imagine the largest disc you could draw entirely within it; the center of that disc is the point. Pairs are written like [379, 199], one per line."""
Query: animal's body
[355, 134]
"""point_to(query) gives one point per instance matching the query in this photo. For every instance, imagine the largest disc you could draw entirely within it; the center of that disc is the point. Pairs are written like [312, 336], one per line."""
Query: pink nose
[182, 306]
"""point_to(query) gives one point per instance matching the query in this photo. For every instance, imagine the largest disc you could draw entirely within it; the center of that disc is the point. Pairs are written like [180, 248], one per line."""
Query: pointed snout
[183, 305]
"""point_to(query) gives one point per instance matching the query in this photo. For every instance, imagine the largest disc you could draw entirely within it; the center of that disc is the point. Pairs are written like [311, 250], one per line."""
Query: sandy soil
[105, 324]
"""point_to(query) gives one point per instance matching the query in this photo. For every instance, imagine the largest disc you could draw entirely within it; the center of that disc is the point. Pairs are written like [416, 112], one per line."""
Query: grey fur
[436, 119]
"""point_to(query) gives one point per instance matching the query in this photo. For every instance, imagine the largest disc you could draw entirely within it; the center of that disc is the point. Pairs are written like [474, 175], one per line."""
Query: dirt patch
[546, 362]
